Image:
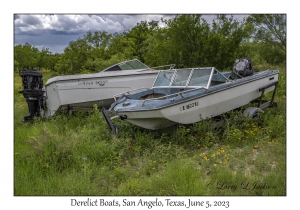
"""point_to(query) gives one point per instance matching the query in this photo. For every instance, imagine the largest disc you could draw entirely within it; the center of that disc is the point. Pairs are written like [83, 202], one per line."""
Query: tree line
[186, 40]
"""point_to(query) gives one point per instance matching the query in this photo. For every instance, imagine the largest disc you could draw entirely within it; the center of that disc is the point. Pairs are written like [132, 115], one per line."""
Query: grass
[78, 155]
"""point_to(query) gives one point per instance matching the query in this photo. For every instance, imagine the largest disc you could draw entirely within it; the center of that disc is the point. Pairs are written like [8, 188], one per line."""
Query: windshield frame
[117, 67]
[175, 73]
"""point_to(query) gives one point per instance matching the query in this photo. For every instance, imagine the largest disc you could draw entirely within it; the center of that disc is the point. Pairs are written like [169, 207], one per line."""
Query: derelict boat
[82, 91]
[189, 95]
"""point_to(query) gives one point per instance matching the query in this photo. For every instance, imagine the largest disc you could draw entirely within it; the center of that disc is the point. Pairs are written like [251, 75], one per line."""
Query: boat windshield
[192, 78]
[200, 77]
[181, 77]
[164, 78]
[127, 65]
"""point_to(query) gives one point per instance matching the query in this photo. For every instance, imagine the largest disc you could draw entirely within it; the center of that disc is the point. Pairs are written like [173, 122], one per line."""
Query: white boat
[189, 95]
[82, 91]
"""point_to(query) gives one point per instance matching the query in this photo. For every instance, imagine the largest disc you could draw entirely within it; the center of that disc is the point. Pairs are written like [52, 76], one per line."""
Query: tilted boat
[82, 91]
[189, 95]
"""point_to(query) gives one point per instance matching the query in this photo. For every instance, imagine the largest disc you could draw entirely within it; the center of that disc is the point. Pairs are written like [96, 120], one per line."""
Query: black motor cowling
[32, 81]
[243, 67]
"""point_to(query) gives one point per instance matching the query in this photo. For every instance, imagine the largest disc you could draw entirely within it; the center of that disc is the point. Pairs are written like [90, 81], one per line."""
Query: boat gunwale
[99, 76]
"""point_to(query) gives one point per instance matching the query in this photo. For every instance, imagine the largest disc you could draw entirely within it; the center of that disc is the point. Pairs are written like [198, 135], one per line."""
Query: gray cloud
[55, 31]
[29, 21]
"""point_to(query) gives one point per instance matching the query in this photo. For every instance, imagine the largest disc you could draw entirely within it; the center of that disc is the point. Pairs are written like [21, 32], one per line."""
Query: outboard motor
[32, 90]
[243, 67]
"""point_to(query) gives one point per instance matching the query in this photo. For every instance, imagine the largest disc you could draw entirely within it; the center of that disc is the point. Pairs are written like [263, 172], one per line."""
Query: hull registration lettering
[189, 106]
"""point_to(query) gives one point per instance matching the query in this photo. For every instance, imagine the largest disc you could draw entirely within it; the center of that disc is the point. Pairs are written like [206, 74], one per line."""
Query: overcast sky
[56, 31]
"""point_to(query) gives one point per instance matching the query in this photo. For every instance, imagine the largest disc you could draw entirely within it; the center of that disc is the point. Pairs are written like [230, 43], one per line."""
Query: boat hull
[205, 106]
[83, 93]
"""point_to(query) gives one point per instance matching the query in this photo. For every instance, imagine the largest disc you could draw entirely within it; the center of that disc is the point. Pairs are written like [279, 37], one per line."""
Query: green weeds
[78, 155]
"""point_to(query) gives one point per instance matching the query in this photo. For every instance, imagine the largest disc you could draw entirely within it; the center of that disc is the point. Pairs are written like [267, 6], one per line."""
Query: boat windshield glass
[217, 79]
[200, 77]
[181, 77]
[127, 65]
[133, 64]
[164, 78]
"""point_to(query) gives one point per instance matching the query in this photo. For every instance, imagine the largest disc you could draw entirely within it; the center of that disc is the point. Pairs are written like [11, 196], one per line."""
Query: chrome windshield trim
[175, 73]
[222, 75]
[156, 78]
[173, 77]
[210, 78]
[190, 76]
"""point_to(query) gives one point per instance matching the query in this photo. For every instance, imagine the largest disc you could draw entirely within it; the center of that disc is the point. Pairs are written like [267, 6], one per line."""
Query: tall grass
[78, 155]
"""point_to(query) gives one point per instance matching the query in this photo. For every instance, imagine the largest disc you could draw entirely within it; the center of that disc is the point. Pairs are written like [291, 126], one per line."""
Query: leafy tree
[92, 53]
[43, 58]
[270, 32]
[271, 54]
[138, 35]
[98, 41]
[188, 35]
[53, 60]
[25, 56]
[121, 44]
[74, 57]
[158, 47]
[251, 49]
[16, 65]
[29, 57]
[270, 28]
[225, 39]
[189, 41]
